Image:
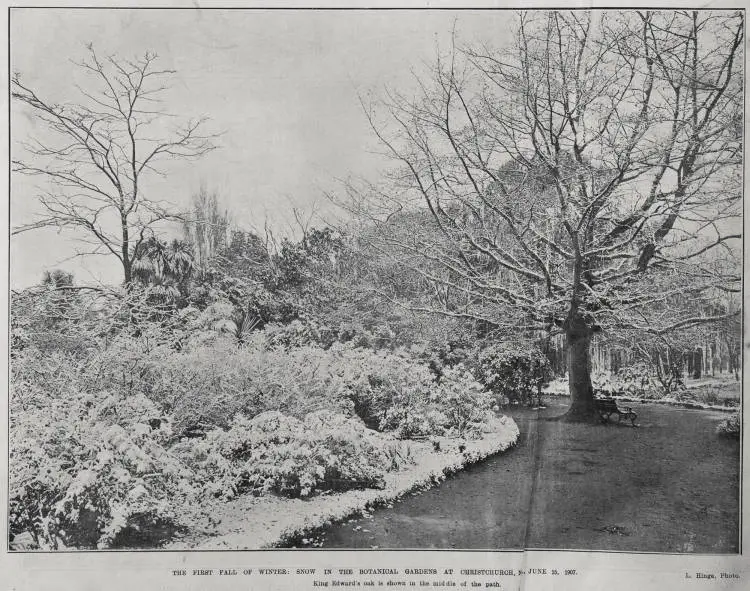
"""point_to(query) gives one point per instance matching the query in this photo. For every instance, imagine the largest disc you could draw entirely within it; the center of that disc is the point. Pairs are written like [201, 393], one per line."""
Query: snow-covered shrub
[51, 321]
[441, 353]
[512, 371]
[87, 469]
[633, 380]
[457, 404]
[411, 420]
[379, 383]
[272, 452]
[276, 453]
[463, 401]
[296, 334]
[349, 451]
[730, 427]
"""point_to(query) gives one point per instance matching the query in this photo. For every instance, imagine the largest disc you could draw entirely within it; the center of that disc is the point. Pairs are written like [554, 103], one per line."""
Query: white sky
[283, 85]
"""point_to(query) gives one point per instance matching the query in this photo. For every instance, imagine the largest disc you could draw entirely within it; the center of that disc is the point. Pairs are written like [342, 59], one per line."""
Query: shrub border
[358, 502]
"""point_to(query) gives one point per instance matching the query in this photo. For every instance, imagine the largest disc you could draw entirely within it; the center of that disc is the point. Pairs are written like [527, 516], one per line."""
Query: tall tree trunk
[127, 266]
[578, 334]
[128, 272]
[697, 363]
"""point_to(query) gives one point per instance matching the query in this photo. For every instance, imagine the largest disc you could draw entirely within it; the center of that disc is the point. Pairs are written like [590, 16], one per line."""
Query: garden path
[670, 485]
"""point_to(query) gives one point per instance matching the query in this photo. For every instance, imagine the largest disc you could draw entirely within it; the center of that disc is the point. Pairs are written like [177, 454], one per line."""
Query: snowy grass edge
[272, 522]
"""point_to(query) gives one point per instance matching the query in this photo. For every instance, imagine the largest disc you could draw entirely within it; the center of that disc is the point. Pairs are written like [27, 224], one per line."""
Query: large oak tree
[585, 179]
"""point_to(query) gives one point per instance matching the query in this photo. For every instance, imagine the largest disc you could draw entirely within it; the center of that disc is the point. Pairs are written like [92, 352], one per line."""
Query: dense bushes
[289, 409]
[210, 384]
[513, 372]
[93, 468]
[86, 468]
[276, 453]
[632, 380]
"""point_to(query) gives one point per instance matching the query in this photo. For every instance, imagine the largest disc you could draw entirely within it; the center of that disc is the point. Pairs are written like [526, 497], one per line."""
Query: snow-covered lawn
[670, 401]
[264, 522]
[723, 387]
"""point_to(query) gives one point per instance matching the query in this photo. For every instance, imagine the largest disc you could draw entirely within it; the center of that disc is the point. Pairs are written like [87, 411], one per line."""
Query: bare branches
[564, 170]
[95, 155]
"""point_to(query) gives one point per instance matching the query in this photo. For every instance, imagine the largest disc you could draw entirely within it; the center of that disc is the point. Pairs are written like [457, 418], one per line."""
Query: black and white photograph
[368, 279]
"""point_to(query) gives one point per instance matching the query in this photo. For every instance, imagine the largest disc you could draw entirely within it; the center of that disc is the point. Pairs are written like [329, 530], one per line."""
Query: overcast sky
[283, 86]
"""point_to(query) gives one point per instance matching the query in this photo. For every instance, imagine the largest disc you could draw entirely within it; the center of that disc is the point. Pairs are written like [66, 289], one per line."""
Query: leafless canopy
[589, 175]
[96, 154]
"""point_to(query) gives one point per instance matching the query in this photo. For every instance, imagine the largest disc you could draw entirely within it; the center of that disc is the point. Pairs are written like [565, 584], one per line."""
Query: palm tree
[165, 268]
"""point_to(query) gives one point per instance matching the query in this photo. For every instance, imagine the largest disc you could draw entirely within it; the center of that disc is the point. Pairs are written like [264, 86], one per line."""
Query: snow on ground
[670, 401]
[557, 387]
[726, 386]
[264, 522]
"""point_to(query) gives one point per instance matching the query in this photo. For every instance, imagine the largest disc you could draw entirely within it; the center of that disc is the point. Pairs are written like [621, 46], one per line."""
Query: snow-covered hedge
[730, 427]
[272, 521]
[276, 453]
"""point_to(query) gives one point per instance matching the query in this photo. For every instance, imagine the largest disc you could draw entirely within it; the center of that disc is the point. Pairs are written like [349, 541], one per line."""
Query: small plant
[398, 455]
[711, 397]
[241, 324]
[730, 427]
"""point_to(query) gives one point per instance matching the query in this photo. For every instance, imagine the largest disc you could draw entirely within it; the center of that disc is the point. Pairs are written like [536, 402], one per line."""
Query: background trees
[576, 182]
[207, 226]
[96, 155]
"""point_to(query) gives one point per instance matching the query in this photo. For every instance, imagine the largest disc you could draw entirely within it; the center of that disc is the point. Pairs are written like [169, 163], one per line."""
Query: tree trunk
[579, 369]
[697, 363]
[127, 266]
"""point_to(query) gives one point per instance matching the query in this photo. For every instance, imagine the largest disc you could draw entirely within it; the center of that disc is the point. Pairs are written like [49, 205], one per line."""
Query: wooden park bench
[608, 407]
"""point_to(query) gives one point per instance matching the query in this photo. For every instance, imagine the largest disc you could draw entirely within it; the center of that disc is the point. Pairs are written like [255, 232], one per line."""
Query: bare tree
[576, 182]
[97, 154]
